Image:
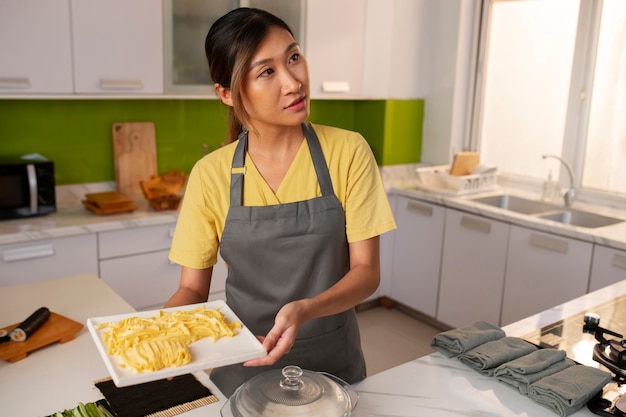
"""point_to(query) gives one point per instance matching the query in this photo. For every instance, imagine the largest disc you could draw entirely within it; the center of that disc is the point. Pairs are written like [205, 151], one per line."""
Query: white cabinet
[118, 46]
[186, 25]
[543, 270]
[335, 46]
[417, 254]
[134, 263]
[472, 269]
[35, 47]
[47, 259]
[81, 46]
[608, 267]
[145, 281]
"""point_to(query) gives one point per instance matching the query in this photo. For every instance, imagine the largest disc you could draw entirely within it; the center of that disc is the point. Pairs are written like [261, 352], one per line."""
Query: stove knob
[592, 319]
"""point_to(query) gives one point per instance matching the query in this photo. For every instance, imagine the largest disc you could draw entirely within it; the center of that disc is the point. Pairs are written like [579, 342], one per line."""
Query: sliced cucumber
[103, 411]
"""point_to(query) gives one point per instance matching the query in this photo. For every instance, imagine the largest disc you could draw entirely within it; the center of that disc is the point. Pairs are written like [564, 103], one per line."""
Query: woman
[295, 210]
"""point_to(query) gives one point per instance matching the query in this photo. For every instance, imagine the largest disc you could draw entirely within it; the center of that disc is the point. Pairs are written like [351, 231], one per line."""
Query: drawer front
[145, 281]
[47, 259]
[133, 241]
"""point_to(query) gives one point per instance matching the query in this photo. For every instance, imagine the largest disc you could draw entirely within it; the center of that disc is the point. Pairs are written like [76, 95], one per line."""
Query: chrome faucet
[568, 197]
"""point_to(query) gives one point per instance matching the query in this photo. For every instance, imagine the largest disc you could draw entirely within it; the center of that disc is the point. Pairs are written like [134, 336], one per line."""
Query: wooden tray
[110, 202]
[56, 329]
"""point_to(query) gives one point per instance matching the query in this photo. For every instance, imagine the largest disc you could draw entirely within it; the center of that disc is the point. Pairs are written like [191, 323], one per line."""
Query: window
[552, 80]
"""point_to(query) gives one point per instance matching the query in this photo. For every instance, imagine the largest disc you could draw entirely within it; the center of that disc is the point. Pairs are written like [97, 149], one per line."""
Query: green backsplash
[76, 134]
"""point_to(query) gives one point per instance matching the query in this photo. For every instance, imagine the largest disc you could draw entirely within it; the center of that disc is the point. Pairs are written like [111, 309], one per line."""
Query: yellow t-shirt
[353, 171]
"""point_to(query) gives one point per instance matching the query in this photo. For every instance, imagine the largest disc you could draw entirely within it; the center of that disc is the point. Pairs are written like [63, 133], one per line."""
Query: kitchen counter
[61, 375]
[72, 218]
[613, 236]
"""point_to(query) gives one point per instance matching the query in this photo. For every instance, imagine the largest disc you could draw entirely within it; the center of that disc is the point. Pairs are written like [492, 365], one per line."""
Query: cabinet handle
[14, 82]
[112, 84]
[543, 242]
[28, 252]
[420, 208]
[335, 87]
[475, 224]
[619, 261]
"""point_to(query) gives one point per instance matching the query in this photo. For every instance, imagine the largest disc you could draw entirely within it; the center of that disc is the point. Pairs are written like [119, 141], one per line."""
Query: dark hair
[229, 46]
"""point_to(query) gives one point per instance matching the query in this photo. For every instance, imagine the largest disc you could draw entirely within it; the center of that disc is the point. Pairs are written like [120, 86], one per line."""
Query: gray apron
[281, 253]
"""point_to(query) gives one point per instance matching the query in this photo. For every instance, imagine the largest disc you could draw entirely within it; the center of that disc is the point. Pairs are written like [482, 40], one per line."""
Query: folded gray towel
[457, 341]
[487, 357]
[522, 372]
[568, 390]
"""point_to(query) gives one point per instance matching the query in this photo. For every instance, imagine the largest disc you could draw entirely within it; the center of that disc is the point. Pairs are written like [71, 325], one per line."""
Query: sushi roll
[25, 329]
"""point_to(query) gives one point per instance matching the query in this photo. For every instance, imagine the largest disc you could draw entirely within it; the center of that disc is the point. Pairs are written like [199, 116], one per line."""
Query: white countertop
[61, 375]
[72, 218]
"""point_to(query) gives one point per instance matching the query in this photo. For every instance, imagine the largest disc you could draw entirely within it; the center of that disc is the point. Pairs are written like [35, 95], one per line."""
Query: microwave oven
[26, 188]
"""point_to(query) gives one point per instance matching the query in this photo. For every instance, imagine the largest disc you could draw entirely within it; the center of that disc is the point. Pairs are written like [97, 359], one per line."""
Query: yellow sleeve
[203, 212]
[368, 213]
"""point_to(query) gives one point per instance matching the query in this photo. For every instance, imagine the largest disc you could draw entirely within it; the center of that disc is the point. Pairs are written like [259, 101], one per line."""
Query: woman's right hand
[282, 335]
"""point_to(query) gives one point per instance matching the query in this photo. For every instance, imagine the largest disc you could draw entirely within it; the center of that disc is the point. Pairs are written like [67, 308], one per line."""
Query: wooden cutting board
[464, 163]
[56, 329]
[134, 151]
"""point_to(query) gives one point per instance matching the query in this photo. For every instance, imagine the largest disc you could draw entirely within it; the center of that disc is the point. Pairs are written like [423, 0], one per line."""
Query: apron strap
[238, 170]
[319, 162]
[238, 167]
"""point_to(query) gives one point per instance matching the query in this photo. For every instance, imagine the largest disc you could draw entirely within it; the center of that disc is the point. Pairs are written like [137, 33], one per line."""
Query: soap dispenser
[549, 189]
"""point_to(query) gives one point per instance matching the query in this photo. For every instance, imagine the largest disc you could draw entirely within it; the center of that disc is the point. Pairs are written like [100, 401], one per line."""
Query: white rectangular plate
[205, 353]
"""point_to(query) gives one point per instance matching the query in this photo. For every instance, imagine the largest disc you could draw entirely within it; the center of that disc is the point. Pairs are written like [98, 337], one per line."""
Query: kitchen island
[61, 375]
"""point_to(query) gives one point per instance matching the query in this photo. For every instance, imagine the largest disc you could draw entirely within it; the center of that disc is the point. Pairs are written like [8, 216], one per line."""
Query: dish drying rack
[438, 179]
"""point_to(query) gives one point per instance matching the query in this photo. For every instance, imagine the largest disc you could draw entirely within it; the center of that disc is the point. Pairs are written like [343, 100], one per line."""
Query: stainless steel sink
[581, 218]
[516, 204]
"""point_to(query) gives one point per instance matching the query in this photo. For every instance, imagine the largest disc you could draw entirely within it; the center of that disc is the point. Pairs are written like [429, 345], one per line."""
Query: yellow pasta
[161, 341]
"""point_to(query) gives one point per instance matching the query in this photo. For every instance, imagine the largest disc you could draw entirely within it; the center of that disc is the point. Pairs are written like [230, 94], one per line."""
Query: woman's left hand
[282, 336]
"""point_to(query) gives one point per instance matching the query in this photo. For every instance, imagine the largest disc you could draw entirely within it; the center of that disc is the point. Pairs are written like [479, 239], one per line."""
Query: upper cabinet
[118, 46]
[354, 48]
[85, 47]
[35, 47]
[187, 23]
[334, 46]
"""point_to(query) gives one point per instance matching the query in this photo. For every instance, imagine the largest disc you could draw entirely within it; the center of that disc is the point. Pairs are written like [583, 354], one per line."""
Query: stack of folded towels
[545, 375]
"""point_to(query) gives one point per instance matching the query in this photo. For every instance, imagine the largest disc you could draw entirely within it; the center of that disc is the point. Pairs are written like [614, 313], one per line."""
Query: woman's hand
[282, 336]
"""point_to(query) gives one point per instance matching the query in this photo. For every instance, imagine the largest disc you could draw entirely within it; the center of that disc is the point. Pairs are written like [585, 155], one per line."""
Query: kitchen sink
[516, 204]
[581, 218]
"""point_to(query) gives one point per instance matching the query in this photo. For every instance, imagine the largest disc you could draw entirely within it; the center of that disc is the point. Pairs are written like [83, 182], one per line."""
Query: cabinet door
[334, 47]
[118, 243]
[145, 281]
[543, 270]
[417, 254]
[187, 23]
[608, 267]
[35, 47]
[118, 46]
[47, 259]
[472, 269]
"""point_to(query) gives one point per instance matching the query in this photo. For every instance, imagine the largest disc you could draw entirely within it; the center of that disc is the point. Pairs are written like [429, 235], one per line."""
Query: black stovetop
[568, 334]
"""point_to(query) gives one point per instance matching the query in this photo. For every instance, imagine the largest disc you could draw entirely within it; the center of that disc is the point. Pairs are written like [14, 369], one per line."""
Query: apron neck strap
[238, 167]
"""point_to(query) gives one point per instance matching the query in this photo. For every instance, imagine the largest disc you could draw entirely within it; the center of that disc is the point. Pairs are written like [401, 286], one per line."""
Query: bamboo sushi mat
[163, 398]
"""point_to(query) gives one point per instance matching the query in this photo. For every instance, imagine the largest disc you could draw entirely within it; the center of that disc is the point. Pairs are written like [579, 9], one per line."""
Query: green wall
[76, 134]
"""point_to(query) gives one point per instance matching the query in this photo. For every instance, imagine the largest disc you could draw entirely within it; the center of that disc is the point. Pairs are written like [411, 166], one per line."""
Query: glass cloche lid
[292, 391]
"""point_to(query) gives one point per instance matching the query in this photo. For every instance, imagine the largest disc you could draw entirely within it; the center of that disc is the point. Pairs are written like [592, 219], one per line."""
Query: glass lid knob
[291, 378]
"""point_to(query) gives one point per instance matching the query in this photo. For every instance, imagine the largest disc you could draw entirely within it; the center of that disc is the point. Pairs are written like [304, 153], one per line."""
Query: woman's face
[275, 91]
